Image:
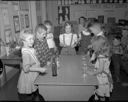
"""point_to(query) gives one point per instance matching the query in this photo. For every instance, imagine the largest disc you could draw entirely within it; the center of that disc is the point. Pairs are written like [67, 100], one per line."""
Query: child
[96, 29]
[27, 91]
[101, 71]
[43, 52]
[117, 52]
[50, 37]
[68, 40]
[84, 35]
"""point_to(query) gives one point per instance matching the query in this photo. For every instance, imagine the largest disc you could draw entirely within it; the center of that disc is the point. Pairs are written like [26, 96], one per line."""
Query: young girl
[102, 72]
[50, 37]
[41, 46]
[68, 40]
[27, 91]
[96, 29]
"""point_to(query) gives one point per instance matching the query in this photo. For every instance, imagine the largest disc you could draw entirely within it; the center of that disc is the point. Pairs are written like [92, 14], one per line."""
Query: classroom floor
[9, 90]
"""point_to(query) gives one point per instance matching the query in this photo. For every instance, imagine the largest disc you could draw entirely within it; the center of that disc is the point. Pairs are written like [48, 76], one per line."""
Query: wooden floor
[9, 91]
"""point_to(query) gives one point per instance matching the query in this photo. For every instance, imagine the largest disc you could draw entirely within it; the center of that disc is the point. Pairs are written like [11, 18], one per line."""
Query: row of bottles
[71, 2]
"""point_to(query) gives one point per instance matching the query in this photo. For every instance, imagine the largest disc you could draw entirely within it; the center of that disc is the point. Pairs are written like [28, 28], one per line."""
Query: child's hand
[89, 72]
[89, 46]
[63, 45]
[48, 63]
[42, 70]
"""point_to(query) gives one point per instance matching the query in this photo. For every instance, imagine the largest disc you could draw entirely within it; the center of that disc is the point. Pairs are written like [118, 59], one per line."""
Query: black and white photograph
[64, 50]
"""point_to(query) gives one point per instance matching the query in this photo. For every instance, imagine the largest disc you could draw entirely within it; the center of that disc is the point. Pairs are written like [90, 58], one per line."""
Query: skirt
[68, 51]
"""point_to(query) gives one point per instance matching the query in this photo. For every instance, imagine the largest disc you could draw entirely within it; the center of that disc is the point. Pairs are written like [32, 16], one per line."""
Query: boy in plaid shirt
[41, 46]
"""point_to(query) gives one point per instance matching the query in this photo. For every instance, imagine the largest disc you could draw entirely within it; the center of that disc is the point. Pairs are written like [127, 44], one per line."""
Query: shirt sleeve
[61, 38]
[50, 36]
[75, 38]
[38, 51]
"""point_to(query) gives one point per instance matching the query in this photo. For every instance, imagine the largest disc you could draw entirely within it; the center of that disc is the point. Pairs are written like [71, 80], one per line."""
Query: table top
[69, 73]
[11, 57]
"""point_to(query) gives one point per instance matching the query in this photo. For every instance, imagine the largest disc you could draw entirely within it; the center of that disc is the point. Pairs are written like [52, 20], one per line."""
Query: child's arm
[75, 40]
[61, 41]
[27, 67]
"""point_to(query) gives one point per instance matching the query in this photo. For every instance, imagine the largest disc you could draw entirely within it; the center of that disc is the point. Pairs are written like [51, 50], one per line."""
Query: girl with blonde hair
[27, 91]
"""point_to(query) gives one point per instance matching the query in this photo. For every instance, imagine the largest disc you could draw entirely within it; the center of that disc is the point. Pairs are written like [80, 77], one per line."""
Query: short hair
[40, 26]
[95, 23]
[117, 37]
[24, 34]
[82, 18]
[48, 22]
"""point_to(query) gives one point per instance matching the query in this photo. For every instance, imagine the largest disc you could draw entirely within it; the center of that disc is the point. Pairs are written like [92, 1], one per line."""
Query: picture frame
[63, 14]
[27, 20]
[16, 24]
[101, 18]
[22, 21]
[5, 14]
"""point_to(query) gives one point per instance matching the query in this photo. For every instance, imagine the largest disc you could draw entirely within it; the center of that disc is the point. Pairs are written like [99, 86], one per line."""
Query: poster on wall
[8, 35]
[27, 21]
[16, 24]
[8, 39]
[63, 14]
[5, 17]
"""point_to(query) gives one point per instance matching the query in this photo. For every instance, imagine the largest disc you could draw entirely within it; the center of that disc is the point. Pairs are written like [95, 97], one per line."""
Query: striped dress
[26, 79]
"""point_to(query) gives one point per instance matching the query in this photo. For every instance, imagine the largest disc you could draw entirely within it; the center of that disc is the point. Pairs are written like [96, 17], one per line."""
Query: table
[69, 85]
[11, 60]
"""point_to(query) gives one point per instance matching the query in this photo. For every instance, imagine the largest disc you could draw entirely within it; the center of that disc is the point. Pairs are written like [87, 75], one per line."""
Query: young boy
[96, 28]
[117, 52]
[41, 46]
[50, 36]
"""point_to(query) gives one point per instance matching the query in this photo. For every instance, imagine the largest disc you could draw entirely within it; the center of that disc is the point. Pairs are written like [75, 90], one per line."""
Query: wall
[119, 11]
[51, 8]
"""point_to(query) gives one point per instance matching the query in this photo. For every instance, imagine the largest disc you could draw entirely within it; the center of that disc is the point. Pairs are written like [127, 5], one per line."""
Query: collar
[68, 34]
[100, 34]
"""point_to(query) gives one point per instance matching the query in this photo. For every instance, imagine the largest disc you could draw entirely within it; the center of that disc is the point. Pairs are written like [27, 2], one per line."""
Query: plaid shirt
[42, 50]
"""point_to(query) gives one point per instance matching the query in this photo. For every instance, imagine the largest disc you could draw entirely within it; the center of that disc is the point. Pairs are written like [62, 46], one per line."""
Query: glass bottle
[54, 67]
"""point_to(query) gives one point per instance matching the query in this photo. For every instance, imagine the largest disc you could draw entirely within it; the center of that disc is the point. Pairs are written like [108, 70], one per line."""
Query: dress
[26, 79]
[105, 80]
[68, 40]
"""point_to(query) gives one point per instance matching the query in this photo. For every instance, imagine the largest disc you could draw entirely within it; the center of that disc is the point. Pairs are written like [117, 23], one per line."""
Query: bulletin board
[27, 20]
